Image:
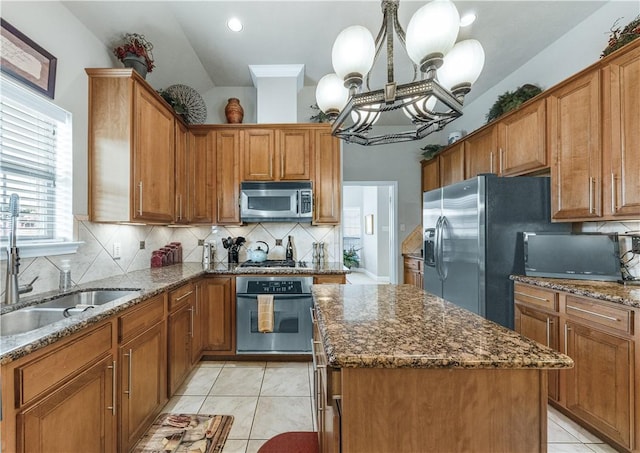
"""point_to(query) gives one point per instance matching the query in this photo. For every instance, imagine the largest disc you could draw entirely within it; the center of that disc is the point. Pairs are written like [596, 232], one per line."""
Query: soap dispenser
[65, 275]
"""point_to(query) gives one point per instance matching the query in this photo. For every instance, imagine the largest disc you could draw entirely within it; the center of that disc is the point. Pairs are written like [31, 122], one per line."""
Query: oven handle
[275, 296]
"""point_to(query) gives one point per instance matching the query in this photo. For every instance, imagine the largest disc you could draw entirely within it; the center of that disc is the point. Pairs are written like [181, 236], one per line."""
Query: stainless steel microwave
[281, 201]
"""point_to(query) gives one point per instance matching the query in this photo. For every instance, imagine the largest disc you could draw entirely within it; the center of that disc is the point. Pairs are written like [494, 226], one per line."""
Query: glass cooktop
[269, 263]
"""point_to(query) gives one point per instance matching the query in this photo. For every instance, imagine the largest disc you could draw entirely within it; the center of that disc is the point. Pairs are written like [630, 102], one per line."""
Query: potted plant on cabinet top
[136, 52]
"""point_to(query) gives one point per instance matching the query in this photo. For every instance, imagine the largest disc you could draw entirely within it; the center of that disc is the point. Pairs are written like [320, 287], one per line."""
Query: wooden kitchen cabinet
[258, 155]
[199, 326]
[294, 153]
[413, 271]
[180, 334]
[142, 358]
[621, 134]
[202, 182]
[327, 179]
[480, 152]
[131, 149]
[228, 176]
[218, 315]
[430, 174]
[574, 137]
[322, 279]
[522, 141]
[183, 141]
[451, 164]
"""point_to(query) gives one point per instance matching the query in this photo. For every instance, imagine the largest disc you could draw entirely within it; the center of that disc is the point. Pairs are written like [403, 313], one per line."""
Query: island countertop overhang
[401, 326]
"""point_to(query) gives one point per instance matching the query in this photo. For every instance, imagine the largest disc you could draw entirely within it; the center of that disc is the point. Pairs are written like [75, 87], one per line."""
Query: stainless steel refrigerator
[473, 239]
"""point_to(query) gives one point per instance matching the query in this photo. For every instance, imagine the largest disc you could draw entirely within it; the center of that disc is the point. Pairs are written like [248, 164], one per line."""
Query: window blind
[35, 161]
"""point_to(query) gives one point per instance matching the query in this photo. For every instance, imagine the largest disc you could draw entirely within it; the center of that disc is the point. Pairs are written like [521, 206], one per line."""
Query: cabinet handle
[140, 200]
[179, 206]
[191, 322]
[501, 154]
[184, 295]
[614, 195]
[197, 301]
[218, 209]
[591, 193]
[566, 338]
[548, 332]
[112, 408]
[128, 392]
[491, 162]
[610, 318]
[529, 295]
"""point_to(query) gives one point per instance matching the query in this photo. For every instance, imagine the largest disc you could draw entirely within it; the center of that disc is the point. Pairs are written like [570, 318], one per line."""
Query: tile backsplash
[94, 258]
[633, 264]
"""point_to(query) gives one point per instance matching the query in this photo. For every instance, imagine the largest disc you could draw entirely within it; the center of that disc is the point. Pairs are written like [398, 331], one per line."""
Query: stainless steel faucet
[12, 289]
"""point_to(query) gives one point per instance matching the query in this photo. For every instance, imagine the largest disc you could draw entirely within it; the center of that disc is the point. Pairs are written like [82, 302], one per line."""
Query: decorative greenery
[619, 38]
[177, 106]
[510, 100]
[350, 257]
[319, 117]
[430, 151]
[137, 45]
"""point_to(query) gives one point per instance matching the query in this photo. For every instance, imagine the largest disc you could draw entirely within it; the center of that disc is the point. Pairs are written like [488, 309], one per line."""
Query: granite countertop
[147, 283]
[401, 326]
[609, 291]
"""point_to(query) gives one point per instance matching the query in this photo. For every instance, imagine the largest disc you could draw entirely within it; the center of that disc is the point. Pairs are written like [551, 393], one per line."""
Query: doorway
[369, 238]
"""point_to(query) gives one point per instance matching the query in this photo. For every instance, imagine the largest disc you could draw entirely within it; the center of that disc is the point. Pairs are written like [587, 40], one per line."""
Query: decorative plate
[194, 104]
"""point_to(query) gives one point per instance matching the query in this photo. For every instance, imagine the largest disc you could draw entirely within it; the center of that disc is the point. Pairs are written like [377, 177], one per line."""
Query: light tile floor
[268, 398]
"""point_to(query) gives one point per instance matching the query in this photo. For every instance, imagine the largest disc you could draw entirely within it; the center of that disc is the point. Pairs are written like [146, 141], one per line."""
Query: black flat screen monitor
[581, 256]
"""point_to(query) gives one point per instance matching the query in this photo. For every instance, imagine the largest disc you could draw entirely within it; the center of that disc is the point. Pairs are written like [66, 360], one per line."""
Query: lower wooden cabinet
[600, 337]
[218, 315]
[413, 271]
[180, 333]
[329, 278]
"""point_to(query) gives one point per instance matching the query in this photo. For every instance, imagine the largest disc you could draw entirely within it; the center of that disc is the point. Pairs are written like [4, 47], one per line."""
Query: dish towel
[265, 313]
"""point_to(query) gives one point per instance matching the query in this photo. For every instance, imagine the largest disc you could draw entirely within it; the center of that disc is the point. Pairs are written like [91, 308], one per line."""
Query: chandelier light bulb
[420, 108]
[462, 65]
[331, 94]
[432, 32]
[364, 119]
[352, 54]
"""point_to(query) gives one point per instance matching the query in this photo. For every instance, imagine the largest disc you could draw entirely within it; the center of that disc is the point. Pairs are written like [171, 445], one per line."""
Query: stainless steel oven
[292, 328]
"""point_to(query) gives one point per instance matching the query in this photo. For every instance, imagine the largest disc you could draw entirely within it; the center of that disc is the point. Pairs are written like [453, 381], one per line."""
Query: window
[35, 164]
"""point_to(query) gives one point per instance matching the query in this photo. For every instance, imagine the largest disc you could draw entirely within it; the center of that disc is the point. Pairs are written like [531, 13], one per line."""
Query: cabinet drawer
[617, 318]
[179, 296]
[140, 318]
[539, 297]
[412, 263]
[47, 371]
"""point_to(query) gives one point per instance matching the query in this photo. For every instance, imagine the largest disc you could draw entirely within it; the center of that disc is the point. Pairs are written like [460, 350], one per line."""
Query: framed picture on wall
[368, 224]
[25, 61]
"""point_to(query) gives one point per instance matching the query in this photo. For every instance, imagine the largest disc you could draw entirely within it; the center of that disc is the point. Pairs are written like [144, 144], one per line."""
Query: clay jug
[234, 111]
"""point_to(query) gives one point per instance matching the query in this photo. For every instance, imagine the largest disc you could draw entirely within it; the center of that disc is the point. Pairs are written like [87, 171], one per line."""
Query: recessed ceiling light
[234, 24]
[467, 20]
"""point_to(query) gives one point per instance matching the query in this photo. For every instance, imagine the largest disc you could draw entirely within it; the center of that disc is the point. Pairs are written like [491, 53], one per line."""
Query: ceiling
[193, 46]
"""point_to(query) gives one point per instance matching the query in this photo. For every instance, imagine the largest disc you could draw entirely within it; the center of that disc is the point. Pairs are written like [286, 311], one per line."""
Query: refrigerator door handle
[444, 270]
[438, 248]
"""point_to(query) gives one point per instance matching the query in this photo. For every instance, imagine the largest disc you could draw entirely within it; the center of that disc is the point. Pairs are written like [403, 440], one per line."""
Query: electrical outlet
[117, 250]
[200, 241]
[278, 242]
[142, 245]
[635, 244]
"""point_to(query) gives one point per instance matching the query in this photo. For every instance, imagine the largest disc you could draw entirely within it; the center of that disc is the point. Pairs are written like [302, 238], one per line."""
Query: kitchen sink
[35, 317]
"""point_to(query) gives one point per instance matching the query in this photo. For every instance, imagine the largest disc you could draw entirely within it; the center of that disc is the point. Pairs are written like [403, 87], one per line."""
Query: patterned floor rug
[186, 433]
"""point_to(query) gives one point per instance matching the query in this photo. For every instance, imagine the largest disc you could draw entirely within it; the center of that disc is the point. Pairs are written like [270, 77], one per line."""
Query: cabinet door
[621, 140]
[522, 140]
[599, 385]
[480, 152]
[179, 350]
[326, 184]
[544, 329]
[182, 153]
[218, 314]
[294, 154]
[201, 181]
[77, 416]
[258, 155]
[198, 322]
[452, 165]
[142, 383]
[228, 177]
[430, 174]
[153, 160]
[574, 129]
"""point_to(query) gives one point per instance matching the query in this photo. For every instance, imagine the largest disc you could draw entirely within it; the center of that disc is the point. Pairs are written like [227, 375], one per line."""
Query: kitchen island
[398, 369]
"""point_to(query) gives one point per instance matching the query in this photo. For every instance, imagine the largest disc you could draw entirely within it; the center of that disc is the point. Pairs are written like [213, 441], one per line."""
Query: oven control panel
[274, 287]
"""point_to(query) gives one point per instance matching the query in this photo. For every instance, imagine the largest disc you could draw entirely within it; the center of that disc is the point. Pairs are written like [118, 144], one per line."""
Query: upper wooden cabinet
[522, 140]
[131, 149]
[621, 135]
[227, 176]
[278, 154]
[430, 174]
[574, 138]
[451, 164]
[327, 187]
[182, 142]
[480, 152]
[201, 181]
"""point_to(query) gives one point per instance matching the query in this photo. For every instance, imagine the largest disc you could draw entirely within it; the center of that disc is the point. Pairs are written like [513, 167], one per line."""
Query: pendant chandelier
[431, 100]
